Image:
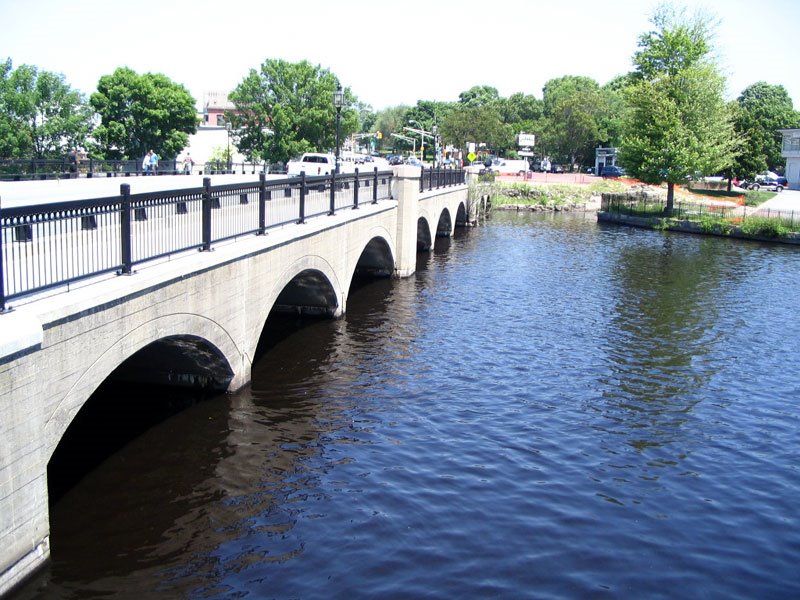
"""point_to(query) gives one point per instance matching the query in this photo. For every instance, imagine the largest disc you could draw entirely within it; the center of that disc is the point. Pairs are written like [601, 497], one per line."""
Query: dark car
[612, 171]
[555, 168]
[771, 185]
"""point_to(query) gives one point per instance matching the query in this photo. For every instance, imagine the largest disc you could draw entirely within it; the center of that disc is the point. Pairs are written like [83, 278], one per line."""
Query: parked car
[510, 167]
[556, 168]
[770, 177]
[312, 163]
[612, 171]
[765, 184]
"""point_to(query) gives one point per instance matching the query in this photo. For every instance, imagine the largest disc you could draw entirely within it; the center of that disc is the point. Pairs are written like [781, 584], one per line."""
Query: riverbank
[776, 220]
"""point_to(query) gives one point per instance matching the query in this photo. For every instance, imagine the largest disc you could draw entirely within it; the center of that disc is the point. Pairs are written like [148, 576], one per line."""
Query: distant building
[604, 157]
[790, 150]
[212, 132]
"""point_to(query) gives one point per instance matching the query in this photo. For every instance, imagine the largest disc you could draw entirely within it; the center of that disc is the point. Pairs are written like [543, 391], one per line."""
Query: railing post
[125, 229]
[262, 203]
[355, 192]
[2, 270]
[332, 209]
[375, 187]
[302, 218]
[206, 215]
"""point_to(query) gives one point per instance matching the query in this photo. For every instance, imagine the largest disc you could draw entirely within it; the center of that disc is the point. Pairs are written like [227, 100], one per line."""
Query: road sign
[525, 153]
[526, 139]
[472, 156]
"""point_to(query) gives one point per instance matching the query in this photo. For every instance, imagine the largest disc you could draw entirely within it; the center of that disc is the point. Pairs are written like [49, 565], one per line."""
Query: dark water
[549, 408]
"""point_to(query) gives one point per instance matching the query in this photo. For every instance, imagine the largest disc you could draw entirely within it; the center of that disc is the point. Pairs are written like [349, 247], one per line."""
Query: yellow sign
[472, 156]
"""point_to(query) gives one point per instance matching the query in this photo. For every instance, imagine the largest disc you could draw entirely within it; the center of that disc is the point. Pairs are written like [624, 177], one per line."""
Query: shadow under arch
[156, 381]
[444, 226]
[424, 237]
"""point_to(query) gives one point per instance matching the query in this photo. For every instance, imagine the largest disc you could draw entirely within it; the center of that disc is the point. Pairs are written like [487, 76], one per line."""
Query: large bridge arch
[223, 359]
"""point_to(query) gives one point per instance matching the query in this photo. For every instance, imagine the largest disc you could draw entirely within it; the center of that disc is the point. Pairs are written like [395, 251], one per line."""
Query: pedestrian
[146, 162]
[154, 163]
[188, 163]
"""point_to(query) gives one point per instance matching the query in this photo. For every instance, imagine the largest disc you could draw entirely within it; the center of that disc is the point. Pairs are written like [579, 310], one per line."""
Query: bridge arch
[216, 361]
[377, 257]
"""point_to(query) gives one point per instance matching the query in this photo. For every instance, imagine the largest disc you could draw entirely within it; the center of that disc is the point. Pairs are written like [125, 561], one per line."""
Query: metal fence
[47, 246]
[643, 206]
[27, 169]
[435, 178]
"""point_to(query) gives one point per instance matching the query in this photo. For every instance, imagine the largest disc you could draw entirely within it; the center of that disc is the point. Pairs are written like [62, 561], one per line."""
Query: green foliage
[761, 110]
[573, 106]
[142, 112]
[476, 124]
[679, 123]
[40, 115]
[715, 224]
[285, 109]
[479, 96]
[765, 227]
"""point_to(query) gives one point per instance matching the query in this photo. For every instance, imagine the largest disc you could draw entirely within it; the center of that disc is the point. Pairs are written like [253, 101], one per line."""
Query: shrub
[764, 227]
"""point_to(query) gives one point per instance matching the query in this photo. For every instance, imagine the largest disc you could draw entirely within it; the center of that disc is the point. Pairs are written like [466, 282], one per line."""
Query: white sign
[525, 153]
[526, 139]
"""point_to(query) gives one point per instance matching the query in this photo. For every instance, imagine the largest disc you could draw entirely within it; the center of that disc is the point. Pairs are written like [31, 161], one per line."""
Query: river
[549, 408]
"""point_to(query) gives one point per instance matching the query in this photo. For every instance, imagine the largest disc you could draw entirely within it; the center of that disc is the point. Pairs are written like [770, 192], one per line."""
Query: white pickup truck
[313, 163]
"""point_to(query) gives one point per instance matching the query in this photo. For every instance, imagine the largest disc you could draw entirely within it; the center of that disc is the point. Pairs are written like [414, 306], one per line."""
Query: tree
[761, 110]
[284, 109]
[142, 112]
[572, 106]
[479, 124]
[40, 115]
[679, 124]
[479, 95]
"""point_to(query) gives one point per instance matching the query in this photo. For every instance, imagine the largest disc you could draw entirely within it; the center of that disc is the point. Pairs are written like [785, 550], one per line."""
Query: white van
[507, 166]
[313, 163]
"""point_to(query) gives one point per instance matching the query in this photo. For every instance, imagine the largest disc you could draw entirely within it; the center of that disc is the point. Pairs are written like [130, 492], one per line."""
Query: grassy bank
[508, 195]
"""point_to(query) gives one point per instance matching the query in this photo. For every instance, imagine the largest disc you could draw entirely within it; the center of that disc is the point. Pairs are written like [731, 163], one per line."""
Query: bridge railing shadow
[53, 245]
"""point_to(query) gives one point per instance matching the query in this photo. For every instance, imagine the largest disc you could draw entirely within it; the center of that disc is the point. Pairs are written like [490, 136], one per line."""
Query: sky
[387, 53]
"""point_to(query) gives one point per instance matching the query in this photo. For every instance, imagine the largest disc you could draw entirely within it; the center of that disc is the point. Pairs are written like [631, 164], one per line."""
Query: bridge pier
[406, 181]
[191, 320]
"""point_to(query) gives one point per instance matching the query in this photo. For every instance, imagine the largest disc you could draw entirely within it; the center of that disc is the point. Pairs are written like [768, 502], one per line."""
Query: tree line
[668, 116]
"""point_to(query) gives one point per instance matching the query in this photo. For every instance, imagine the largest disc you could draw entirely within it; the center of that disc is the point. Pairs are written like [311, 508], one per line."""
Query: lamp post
[435, 131]
[228, 127]
[338, 102]
[421, 139]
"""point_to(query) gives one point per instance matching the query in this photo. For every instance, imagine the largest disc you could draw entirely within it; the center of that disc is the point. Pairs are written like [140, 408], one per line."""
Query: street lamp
[421, 138]
[228, 127]
[338, 102]
[435, 131]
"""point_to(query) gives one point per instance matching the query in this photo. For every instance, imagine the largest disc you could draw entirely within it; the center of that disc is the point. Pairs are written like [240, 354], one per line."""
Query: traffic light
[379, 135]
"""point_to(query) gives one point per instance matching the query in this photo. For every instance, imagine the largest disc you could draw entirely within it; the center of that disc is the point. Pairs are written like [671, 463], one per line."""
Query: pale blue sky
[388, 53]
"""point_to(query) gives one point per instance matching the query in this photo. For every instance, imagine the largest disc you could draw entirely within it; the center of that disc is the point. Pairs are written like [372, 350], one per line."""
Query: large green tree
[573, 106]
[41, 116]
[284, 109]
[478, 124]
[679, 124]
[761, 110]
[142, 112]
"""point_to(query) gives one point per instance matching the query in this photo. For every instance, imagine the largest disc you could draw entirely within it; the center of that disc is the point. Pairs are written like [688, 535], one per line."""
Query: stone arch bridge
[193, 319]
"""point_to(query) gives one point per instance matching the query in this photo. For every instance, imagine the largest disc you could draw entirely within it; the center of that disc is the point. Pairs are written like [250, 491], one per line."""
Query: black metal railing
[435, 178]
[641, 206]
[52, 245]
[27, 169]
